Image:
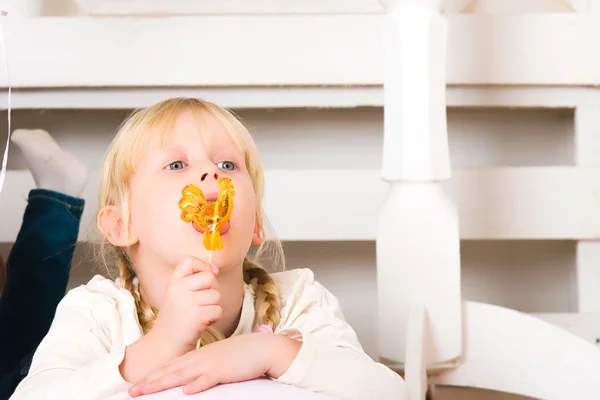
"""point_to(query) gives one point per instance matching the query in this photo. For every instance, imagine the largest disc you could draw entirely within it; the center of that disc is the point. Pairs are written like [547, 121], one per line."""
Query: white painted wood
[509, 7]
[517, 353]
[511, 203]
[416, 212]
[291, 139]
[555, 203]
[416, 219]
[239, 7]
[588, 276]
[415, 141]
[587, 132]
[245, 7]
[587, 151]
[311, 50]
[594, 6]
[585, 325]
[580, 6]
[23, 8]
[417, 357]
[260, 97]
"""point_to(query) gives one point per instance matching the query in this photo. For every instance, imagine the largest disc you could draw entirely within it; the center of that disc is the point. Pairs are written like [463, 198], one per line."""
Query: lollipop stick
[210, 256]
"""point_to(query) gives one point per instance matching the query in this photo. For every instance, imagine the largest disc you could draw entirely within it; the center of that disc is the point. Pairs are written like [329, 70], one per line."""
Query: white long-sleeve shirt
[94, 323]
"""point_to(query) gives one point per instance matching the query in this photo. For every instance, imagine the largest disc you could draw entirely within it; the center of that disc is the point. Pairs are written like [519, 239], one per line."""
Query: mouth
[223, 230]
[211, 197]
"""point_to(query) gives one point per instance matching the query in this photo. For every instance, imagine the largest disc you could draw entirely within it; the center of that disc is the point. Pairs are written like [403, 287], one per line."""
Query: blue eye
[226, 165]
[176, 165]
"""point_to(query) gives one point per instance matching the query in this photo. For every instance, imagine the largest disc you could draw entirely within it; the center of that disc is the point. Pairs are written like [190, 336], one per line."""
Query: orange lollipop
[210, 216]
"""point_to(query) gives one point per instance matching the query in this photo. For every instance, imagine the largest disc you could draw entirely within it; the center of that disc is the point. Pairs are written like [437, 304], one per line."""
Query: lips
[211, 197]
[223, 230]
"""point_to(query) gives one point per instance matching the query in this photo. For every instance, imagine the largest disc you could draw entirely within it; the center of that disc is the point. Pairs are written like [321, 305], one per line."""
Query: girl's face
[163, 239]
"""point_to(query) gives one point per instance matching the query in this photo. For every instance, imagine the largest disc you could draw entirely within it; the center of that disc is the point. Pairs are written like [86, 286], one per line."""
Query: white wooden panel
[525, 275]
[495, 203]
[500, 7]
[588, 276]
[587, 134]
[532, 355]
[587, 154]
[191, 7]
[304, 138]
[266, 97]
[288, 50]
[585, 325]
[230, 97]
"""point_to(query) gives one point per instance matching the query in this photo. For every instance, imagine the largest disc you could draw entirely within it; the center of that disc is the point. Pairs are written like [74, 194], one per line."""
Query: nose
[207, 175]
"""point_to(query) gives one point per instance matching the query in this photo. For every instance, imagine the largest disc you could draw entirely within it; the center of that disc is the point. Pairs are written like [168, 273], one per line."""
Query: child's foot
[52, 168]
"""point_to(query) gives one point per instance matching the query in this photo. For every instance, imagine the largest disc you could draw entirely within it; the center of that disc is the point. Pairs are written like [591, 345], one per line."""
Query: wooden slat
[584, 325]
[240, 7]
[324, 205]
[294, 97]
[289, 50]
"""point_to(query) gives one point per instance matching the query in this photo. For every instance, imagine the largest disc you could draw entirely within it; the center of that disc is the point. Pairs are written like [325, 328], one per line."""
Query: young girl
[108, 338]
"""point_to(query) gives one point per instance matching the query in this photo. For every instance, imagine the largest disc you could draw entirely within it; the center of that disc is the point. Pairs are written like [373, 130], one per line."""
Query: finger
[191, 265]
[201, 281]
[212, 313]
[170, 380]
[174, 365]
[134, 391]
[208, 297]
[204, 382]
[180, 367]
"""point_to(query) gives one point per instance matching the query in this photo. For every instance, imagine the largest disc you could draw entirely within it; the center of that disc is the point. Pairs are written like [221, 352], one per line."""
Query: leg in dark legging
[38, 272]
[39, 263]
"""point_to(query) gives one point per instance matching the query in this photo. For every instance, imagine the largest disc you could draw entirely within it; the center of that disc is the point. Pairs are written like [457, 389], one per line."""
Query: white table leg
[418, 256]
[513, 352]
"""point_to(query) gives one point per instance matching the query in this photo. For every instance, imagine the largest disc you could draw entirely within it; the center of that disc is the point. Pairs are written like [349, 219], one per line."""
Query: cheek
[154, 208]
[244, 209]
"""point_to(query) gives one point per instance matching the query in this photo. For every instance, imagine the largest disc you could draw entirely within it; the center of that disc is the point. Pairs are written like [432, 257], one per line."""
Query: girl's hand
[237, 359]
[191, 302]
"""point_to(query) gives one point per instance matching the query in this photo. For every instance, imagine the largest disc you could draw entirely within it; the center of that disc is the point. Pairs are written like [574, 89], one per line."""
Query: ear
[257, 237]
[114, 228]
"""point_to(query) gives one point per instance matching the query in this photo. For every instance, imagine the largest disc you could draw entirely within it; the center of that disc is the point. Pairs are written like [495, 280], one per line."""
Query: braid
[210, 335]
[267, 302]
[146, 314]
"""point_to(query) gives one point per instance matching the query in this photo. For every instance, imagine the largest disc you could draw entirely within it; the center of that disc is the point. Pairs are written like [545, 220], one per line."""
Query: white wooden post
[587, 155]
[418, 256]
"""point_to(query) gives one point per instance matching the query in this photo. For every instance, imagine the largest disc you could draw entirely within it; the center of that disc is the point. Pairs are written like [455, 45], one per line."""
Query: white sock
[52, 168]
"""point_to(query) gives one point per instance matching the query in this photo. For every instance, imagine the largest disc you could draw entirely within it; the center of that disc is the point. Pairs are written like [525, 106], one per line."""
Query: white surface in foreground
[259, 389]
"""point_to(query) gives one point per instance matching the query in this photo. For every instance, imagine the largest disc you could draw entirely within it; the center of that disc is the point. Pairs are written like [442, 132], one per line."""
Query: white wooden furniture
[424, 325]
[86, 71]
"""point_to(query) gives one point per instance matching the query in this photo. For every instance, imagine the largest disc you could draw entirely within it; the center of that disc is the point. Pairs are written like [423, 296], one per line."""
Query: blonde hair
[128, 148]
